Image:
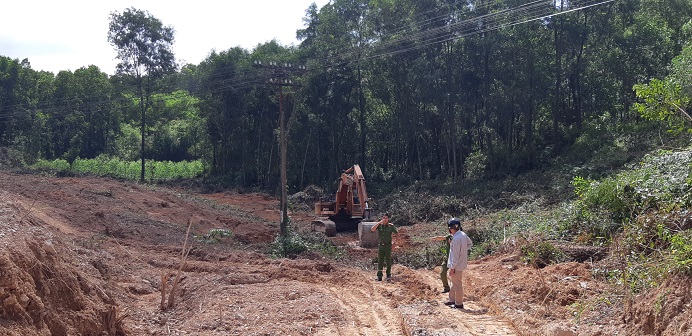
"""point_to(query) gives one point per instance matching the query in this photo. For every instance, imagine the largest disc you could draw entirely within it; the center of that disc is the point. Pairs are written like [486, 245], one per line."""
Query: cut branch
[183, 259]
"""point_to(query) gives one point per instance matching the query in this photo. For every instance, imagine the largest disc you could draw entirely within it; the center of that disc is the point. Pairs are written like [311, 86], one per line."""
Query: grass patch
[155, 171]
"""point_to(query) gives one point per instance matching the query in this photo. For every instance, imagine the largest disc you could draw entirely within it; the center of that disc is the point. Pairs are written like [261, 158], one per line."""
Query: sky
[69, 34]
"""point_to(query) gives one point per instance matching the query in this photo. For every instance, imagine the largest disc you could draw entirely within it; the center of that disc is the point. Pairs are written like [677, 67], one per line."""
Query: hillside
[91, 256]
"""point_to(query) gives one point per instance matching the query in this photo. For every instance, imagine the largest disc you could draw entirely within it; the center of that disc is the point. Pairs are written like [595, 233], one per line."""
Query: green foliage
[670, 99]
[646, 236]
[427, 256]
[296, 243]
[475, 165]
[659, 182]
[405, 114]
[178, 128]
[129, 170]
[681, 252]
[290, 245]
[605, 146]
[664, 101]
[144, 48]
[642, 254]
[647, 203]
[127, 143]
[681, 69]
[608, 195]
[167, 170]
[86, 126]
[581, 186]
[143, 43]
[10, 158]
[540, 254]
[504, 229]
[658, 246]
[214, 236]
[58, 165]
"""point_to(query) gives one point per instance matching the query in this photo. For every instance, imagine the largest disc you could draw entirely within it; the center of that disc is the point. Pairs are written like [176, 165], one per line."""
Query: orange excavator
[349, 208]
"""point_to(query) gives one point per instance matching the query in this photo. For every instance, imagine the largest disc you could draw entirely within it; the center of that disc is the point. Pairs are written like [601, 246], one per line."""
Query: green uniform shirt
[385, 233]
[445, 246]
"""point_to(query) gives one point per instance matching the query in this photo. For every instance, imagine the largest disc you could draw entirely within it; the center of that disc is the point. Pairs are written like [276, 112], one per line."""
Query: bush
[296, 243]
[654, 247]
[428, 256]
[659, 182]
[289, 246]
[475, 165]
[540, 254]
[608, 195]
[58, 166]
[504, 228]
[681, 251]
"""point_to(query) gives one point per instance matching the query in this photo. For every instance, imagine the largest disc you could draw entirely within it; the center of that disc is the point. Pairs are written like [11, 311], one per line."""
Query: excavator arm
[361, 202]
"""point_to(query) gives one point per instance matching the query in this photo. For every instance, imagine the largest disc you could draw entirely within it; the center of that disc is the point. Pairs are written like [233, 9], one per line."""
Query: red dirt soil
[91, 256]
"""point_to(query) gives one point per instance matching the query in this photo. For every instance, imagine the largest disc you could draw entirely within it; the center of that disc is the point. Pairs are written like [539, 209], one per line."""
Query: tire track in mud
[393, 308]
[410, 304]
[475, 320]
[371, 312]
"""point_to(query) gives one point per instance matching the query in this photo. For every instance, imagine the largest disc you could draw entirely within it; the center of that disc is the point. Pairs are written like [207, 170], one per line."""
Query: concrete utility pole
[280, 77]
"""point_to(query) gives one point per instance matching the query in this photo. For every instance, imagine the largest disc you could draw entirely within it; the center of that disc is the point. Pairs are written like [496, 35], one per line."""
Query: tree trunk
[142, 107]
[363, 125]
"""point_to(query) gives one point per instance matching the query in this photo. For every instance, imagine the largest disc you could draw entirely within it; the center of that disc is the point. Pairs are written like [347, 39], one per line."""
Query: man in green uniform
[385, 230]
[445, 251]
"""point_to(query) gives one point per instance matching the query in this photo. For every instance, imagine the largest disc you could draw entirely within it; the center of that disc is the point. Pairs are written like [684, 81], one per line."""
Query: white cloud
[66, 35]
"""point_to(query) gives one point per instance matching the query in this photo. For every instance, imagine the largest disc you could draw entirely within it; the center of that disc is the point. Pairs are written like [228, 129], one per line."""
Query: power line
[412, 37]
[423, 38]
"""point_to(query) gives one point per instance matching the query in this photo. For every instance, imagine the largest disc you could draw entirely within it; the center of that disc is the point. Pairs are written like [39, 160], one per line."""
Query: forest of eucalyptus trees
[408, 89]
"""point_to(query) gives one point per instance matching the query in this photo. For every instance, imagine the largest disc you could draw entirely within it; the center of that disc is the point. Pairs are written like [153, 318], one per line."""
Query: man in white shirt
[457, 262]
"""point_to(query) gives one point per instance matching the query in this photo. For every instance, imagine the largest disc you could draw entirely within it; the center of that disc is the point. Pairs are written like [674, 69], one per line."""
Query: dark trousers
[443, 275]
[384, 255]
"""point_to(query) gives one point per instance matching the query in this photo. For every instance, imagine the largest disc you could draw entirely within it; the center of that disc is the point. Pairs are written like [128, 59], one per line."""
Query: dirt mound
[42, 292]
[664, 311]
[562, 297]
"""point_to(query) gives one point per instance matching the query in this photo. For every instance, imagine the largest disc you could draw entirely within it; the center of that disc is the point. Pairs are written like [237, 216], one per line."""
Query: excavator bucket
[366, 237]
[324, 225]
